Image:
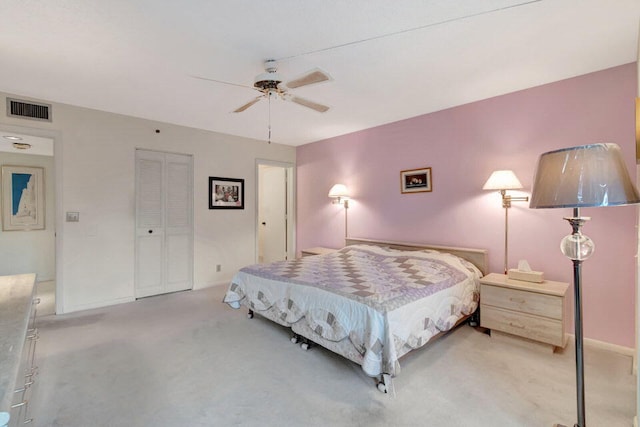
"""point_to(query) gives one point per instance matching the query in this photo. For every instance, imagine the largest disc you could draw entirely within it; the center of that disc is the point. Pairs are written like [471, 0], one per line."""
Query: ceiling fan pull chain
[269, 96]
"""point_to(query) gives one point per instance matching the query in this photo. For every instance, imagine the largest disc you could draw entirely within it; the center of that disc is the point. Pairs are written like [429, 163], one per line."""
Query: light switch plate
[73, 216]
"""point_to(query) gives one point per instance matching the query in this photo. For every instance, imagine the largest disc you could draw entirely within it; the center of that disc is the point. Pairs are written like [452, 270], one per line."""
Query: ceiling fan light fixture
[269, 80]
[270, 85]
[21, 145]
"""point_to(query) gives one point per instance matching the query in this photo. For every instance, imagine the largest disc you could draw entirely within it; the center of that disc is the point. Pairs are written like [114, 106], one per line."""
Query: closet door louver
[164, 223]
[178, 240]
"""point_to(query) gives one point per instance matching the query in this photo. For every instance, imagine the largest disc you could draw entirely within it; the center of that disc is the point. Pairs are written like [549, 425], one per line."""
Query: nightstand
[319, 250]
[535, 311]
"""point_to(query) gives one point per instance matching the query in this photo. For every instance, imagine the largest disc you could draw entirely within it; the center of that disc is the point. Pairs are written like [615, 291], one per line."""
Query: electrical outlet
[218, 268]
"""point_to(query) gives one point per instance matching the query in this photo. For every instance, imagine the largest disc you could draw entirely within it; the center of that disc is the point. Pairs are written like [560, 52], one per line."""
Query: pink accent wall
[463, 145]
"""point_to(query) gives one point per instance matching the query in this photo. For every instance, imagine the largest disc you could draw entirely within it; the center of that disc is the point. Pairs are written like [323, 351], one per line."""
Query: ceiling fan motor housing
[269, 80]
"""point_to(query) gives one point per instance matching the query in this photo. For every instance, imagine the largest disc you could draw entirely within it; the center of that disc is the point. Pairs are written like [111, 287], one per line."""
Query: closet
[164, 223]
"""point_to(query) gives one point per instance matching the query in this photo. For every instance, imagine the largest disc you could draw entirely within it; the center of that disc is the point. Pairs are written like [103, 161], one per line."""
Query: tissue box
[527, 276]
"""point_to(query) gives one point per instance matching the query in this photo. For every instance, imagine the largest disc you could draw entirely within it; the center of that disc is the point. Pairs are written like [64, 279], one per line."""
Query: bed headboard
[477, 257]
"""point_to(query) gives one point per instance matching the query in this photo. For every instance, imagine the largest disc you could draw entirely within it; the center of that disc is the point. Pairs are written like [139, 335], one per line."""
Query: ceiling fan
[270, 84]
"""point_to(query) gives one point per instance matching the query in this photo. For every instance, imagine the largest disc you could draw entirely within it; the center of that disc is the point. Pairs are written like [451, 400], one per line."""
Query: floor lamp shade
[586, 176]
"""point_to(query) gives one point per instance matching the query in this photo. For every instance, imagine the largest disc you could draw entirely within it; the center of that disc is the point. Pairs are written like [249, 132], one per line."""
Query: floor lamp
[340, 195]
[504, 180]
[586, 176]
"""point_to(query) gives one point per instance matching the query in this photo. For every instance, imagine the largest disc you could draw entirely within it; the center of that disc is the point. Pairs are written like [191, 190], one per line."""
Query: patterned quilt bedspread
[384, 301]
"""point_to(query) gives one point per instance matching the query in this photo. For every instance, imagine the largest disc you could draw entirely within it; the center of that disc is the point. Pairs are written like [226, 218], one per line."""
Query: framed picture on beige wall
[22, 198]
[226, 193]
[416, 180]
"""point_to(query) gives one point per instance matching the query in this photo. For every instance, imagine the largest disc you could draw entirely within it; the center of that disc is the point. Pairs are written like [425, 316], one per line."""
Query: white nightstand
[535, 311]
[319, 250]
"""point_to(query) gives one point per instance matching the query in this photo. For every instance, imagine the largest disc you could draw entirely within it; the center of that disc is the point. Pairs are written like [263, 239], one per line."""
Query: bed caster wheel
[250, 314]
[295, 339]
[385, 385]
[304, 346]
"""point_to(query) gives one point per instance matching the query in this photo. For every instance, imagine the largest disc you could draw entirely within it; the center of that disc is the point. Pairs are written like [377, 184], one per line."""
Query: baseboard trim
[100, 304]
[212, 285]
[626, 351]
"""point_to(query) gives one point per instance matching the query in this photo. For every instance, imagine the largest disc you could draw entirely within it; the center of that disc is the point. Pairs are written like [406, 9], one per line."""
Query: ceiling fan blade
[247, 105]
[312, 77]
[223, 82]
[309, 104]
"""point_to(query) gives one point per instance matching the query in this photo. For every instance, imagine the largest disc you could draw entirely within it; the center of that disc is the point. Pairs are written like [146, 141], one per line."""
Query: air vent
[28, 110]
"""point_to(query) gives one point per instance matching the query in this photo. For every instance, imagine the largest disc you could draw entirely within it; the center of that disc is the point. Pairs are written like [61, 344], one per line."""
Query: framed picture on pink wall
[415, 181]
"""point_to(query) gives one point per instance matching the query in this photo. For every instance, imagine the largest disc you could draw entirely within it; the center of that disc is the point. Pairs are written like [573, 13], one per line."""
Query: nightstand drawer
[532, 327]
[526, 302]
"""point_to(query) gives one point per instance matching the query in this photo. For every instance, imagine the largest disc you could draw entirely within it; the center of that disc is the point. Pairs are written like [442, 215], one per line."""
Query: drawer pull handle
[516, 326]
[519, 301]
[23, 389]
[17, 405]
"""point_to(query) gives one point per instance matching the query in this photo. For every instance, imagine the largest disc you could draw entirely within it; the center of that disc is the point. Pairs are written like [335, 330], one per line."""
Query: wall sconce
[340, 195]
[504, 180]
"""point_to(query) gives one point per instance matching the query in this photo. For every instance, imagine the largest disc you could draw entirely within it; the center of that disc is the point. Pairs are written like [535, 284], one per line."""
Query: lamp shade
[502, 180]
[339, 190]
[584, 176]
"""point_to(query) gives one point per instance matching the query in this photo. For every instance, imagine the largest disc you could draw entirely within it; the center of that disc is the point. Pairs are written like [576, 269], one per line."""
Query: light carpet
[186, 359]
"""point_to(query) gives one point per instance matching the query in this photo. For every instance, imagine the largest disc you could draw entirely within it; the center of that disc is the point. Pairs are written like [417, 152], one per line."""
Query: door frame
[56, 136]
[291, 205]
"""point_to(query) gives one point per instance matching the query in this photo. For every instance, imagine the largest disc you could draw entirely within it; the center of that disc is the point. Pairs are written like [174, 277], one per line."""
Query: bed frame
[477, 257]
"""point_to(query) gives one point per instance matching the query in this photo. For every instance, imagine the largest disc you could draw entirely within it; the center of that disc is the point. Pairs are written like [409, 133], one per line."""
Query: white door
[164, 223]
[272, 213]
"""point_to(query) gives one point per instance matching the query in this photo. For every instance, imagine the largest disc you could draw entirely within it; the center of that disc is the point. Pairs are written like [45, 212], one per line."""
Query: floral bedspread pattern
[385, 302]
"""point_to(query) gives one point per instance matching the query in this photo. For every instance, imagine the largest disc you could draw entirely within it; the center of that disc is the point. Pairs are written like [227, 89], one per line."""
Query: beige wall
[31, 251]
[94, 158]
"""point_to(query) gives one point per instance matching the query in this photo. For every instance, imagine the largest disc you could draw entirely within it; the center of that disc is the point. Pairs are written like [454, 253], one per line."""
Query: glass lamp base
[577, 246]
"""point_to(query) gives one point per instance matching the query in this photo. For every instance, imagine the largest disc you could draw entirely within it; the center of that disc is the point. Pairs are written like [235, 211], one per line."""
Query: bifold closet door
[164, 223]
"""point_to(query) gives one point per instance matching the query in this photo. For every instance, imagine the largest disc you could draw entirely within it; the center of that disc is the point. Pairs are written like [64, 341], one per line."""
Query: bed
[371, 302]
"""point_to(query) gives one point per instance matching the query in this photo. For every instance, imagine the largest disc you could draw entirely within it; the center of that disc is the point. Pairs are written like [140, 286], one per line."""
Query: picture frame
[23, 201]
[226, 193]
[416, 181]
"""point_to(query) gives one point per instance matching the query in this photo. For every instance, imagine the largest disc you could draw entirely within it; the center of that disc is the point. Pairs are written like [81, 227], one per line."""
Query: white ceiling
[389, 60]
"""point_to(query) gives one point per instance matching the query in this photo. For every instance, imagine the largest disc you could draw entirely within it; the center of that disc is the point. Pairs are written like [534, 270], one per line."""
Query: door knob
[150, 231]
[264, 223]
